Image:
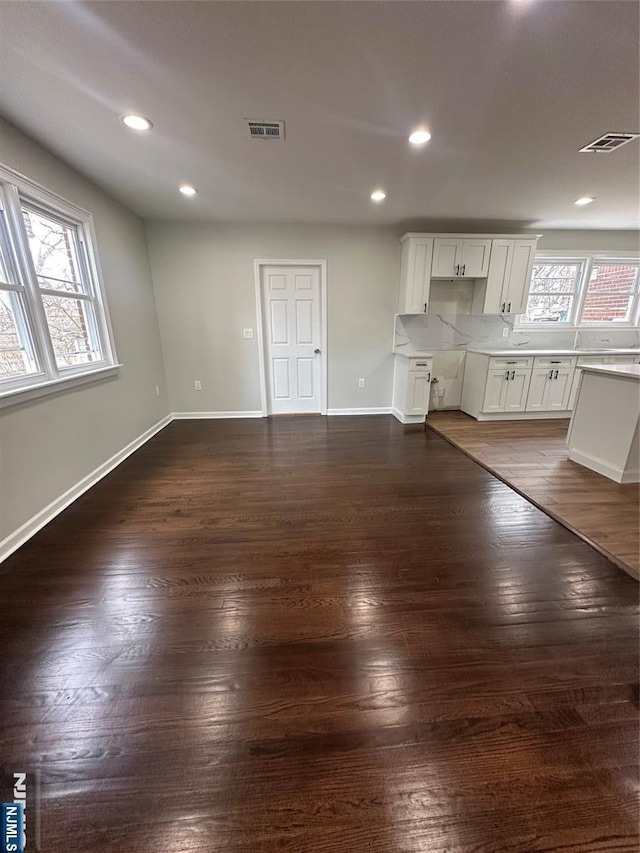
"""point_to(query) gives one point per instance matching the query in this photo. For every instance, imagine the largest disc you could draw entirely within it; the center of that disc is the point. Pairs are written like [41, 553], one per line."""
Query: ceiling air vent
[265, 129]
[609, 142]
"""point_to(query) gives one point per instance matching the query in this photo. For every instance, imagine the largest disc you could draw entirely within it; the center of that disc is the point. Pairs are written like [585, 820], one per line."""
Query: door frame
[258, 264]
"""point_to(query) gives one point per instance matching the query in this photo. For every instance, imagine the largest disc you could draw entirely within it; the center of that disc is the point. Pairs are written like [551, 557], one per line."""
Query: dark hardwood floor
[320, 635]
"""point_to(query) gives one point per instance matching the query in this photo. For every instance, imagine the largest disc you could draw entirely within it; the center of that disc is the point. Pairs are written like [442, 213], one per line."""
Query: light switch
[247, 333]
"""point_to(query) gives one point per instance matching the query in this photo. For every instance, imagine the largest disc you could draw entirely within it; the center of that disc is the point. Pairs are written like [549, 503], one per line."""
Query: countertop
[413, 353]
[522, 351]
[620, 371]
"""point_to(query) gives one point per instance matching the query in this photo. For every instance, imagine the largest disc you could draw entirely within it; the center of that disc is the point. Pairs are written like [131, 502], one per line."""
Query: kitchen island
[604, 430]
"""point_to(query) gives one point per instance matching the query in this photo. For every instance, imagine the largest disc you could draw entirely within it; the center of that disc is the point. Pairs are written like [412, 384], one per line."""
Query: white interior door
[292, 338]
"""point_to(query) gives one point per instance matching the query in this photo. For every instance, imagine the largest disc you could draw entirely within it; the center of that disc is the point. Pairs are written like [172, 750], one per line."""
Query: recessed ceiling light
[587, 199]
[378, 195]
[419, 137]
[187, 189]
[135, 122]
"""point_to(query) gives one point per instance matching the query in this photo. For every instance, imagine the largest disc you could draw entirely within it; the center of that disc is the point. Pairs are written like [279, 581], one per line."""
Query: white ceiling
[510, 90]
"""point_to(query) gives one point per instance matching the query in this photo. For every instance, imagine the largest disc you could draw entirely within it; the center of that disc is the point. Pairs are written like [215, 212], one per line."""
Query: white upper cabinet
[474, 260]
[498, 268]
[524, 252]
[460, 257]
[415, 274]
[445, 258]
[507, 286]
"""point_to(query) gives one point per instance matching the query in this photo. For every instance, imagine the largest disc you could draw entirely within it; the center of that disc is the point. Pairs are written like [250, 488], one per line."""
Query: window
[53, 321]
[553, 292]
[612, 291]
[583, 291]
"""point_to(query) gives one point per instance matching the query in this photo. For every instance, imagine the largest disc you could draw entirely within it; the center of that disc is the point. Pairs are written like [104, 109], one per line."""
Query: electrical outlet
[505, 332]
[247, 333]
[361, 383]
[197, 385]
[157, 390]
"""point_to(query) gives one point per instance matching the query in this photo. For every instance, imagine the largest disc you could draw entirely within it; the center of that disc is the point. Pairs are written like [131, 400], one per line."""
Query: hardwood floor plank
[605, 513]
[324, 635]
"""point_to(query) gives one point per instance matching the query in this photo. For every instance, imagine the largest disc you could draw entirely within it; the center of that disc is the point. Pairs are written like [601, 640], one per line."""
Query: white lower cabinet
[495, 391]
[550, 389]
[506, 390]
[517, 389]
[497, 386]
[411, 387]
[418, 389]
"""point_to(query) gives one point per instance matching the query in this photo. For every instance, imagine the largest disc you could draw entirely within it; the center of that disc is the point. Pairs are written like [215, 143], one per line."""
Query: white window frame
[588, 260]
[16, 190]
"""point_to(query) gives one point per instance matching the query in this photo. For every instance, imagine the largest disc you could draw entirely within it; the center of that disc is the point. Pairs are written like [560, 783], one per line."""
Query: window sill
[53, 386]
[587, 327]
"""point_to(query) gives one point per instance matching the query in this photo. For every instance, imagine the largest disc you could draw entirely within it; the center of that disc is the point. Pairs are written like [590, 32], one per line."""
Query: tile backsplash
[458, 331]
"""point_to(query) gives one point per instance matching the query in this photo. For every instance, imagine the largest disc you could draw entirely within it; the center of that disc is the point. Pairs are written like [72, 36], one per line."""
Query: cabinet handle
[509, 309]
[555, 362]
[512, 362]
[513, 374]
[502, 309]
[507, 376]
[425, 307]
[457, 269]
[464, 266]
[556, 376]
[421, 364]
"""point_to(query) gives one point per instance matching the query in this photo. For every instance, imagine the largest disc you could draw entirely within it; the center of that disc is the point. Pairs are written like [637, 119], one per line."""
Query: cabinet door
[559, 389]
[516, 391]
[517, 292]
[446, 256]
[538, 389]
[498, 276]
[474, 258]
[577, 373]
[415, 275]
[418, 389]
[495, 391]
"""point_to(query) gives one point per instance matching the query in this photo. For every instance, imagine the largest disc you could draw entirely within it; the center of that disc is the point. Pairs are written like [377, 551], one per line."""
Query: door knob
[317, 351]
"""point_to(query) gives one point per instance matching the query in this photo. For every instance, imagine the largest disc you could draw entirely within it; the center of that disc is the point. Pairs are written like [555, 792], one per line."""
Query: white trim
[474, 236]
[600, 466]
[18, 190]
[407, 419]
[258, 263]
[587, 259]
[193, 416]
[383, 410]
[14, 540]
[51, 386]
[521, 416]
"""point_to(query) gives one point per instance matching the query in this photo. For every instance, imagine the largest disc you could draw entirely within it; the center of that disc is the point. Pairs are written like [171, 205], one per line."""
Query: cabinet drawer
[507, 362]
[555, 361]
[586, 360]
[622, 359]
[421, 364]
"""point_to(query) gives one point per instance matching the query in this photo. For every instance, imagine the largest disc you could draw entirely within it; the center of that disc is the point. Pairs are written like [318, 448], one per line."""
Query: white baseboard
[520, 416]
[188, 416]
[12, 542]
[601, 467]
[407, 419]
[383, 410]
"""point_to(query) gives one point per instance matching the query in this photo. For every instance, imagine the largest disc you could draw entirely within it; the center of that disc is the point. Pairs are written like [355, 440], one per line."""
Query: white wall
[50, 444]
[204, 283]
